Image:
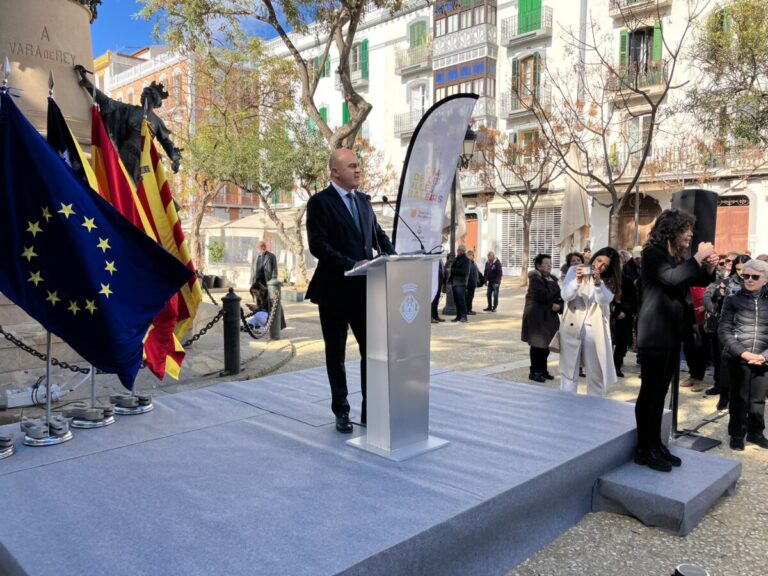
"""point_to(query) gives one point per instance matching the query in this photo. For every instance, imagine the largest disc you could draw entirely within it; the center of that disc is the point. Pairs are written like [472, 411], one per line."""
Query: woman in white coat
[585, 332]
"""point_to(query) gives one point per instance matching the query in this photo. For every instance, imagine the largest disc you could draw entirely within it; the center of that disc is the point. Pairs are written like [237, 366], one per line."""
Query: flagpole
[51, 431]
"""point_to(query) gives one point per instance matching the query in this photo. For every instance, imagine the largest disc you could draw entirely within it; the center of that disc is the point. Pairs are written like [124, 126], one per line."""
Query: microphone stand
[397, 215]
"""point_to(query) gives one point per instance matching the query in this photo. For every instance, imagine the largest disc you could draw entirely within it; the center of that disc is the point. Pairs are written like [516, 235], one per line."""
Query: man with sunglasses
[744, 333]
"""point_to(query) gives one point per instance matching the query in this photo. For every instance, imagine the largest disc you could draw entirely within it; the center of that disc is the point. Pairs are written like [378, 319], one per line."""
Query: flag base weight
[83, 423]
[130, 404]
[126, 411]
[6, 452]
[48, 440]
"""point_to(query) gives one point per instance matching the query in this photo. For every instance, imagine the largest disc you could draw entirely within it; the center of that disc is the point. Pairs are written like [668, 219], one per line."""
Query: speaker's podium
[399, 297]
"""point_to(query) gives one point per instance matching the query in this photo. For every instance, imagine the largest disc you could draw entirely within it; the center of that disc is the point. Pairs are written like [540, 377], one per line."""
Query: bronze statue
[123, 123]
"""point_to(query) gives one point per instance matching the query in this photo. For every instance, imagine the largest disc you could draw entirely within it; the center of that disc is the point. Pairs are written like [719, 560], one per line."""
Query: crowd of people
[659, 299]
[462, 277]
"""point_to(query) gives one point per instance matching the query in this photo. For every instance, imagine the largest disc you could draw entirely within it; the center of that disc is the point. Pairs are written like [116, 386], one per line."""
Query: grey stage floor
[252, 478]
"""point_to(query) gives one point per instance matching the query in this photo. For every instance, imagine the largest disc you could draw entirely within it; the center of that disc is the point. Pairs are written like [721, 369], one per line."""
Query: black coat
[459, 271]
[269, 263]
[744, 324]
[540, 322]
[665, 285]
[336, 243]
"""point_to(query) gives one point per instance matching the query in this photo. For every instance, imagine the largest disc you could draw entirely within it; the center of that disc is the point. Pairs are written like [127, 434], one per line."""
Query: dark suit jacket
[270, 266]
[336, 243]
[665, 285]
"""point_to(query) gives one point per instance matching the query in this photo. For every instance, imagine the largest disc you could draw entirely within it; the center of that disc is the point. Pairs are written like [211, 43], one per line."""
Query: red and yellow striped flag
[154, 194]
[161, 347]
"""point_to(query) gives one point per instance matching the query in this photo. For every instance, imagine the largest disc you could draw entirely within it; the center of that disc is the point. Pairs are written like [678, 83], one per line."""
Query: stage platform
[251, 478]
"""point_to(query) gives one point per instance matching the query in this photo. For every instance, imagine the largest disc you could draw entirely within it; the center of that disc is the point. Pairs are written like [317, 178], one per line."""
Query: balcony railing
[622, 8]
[521, 27]
[637, 77]
[697, 159]
[406, 123]
[357, 78]
[518, 102]
[413, 58]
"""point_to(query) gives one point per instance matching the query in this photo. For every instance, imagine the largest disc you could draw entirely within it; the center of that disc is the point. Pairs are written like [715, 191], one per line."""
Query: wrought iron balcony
[651, 79]
[406, 123]
[518, 103]
[413, 59]
[522, 28]
[635, 8]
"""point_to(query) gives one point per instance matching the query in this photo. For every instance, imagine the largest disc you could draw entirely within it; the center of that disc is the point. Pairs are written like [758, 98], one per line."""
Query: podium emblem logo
[409, 307]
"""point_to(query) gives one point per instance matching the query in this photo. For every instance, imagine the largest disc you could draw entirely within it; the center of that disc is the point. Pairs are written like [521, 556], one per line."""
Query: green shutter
[536, 65]
[364, 59]
[515, 76]
[623, 51]
[324, 114]
[658, 42]
[534, 15]
[523, 8]
[418, 33]
[344, 113]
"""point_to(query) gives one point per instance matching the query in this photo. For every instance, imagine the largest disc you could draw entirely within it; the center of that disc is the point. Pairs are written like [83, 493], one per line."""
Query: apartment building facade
[506, 52]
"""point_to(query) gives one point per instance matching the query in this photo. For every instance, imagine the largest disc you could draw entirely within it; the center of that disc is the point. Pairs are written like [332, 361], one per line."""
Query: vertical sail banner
[425, 183]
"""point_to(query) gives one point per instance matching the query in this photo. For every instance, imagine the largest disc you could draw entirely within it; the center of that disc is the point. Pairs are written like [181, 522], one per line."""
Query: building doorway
[732, 227]
[649, 210]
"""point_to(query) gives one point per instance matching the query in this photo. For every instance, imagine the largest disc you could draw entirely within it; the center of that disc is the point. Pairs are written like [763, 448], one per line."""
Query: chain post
[231, 305]
[274, 287]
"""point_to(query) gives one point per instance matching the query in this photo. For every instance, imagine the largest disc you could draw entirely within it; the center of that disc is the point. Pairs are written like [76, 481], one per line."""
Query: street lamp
[468, 150]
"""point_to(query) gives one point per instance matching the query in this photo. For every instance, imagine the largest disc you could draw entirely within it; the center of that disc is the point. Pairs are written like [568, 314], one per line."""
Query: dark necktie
[353, 209]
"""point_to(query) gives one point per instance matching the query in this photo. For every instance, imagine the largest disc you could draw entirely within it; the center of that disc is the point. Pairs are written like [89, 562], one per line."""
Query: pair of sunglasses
[754, 277]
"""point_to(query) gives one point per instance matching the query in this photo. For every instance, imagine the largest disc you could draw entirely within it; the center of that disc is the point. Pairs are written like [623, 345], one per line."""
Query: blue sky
[116, 29]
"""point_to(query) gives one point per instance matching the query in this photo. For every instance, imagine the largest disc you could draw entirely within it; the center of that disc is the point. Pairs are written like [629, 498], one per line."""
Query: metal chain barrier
[44, 357]
[271, 318]
[75, 368]
[205, 329]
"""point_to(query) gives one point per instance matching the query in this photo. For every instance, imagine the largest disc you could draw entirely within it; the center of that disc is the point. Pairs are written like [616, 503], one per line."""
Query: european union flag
[70, 260]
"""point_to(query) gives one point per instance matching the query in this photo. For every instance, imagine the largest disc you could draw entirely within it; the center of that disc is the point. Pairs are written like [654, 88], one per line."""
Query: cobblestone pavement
[732, 540]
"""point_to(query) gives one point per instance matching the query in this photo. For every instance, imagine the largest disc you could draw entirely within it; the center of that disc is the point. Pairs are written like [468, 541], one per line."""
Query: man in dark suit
[264, 266]
[342, 231]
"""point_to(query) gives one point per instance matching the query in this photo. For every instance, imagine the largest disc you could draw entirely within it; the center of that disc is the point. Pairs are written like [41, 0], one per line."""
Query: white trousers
[588, 354]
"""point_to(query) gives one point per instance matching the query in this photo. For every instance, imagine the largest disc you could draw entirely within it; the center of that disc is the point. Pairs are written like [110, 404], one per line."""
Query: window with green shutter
[528, 15]
[623, 51]
[418, 33]
[515, 75]
[536, 75]
[324, 114]
[364, 59]
[344, 113]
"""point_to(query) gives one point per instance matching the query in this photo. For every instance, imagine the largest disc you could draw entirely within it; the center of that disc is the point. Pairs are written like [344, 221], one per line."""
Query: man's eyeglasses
[729, 260]
[754, 277]
[721, 263]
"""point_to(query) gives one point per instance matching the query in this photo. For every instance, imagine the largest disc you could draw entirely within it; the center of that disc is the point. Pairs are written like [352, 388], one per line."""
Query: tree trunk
[613, 220]
[527, 217]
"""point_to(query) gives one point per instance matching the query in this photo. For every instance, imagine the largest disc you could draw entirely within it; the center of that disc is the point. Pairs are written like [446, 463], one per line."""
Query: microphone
[374, 237]
[397, 215]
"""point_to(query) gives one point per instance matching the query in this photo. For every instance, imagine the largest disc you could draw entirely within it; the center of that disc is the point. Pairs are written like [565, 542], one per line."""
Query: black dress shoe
[435, 321]
[487, 309]
[653, 459]
[758, 439]
[456, 319]
[736, 443]
[536, 377]
[548, 376]
[619, 373]
[343, 424]
[668, 456]
[440, 319]
[713, 391]
[722, 404]
[471, 312]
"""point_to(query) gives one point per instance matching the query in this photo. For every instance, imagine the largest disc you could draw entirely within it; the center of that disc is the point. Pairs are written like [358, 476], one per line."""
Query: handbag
[554, 344]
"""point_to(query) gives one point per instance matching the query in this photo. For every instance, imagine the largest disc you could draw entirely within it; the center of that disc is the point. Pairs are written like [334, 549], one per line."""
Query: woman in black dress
[543, 305]
[667, 275]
